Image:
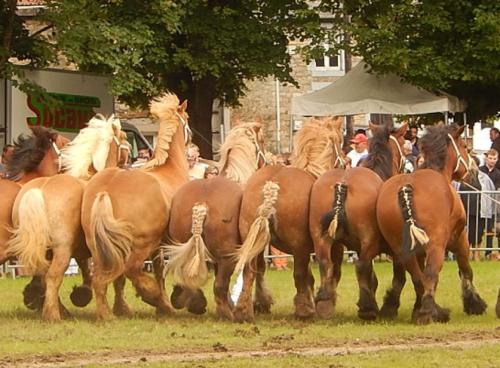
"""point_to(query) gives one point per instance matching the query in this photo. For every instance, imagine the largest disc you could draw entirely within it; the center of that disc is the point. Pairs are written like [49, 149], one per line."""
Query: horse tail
[187, 261]
[412, 234]
[30, 238]
[334, 222]
[110, 237]
[259, 234]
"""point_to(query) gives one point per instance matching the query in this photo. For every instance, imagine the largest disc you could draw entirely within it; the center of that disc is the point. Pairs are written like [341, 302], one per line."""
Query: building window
[328, 65]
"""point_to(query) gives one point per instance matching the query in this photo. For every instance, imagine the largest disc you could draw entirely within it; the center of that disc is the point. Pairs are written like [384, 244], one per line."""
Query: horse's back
[222, 197]
[137, 197]
[291, 228]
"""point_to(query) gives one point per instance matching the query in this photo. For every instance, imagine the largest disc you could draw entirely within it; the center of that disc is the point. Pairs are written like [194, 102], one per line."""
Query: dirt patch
[220, 351]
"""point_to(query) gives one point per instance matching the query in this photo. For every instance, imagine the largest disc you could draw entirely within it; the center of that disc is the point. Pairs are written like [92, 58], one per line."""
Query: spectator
[360, 150]
[495, 142]
[410, 160]
[7, 152]
[490, 168]
[211, 172]
[413, 138]
[196, 168]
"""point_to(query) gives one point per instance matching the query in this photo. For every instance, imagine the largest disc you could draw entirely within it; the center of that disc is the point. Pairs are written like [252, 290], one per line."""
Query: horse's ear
[372, 126]
[184, 105]
[460, 130]
[402, 130]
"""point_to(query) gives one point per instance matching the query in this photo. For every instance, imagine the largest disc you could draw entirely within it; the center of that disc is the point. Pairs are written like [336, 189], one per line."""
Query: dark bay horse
[421, 216]
[204, 221]
[125, 213]
[46, 214]
[288, 228]
[353, 221]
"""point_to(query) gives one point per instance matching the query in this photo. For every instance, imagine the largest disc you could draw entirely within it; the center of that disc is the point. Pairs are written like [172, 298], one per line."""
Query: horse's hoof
[81, 296]
[122, 310]
[423, 318]
[34, 296]
[225, 313]
[178, 298]
[388, 311]
[197, 304]
[241, 315]
[261, 308]
[441, 315]
[325, 309]
[473, 303]
[367, 315]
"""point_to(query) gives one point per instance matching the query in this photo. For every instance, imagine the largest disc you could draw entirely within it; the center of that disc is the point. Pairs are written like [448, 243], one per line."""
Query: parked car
[137, 141]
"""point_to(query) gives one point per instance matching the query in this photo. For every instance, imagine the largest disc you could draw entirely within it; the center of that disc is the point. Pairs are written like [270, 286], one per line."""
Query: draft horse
[283, 221]
[352, 221]
[46, 213]
[204, 223]
[125, 213]
[421, 216]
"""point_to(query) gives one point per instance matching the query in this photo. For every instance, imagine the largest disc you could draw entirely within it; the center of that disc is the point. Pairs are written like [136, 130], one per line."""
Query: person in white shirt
[360, 150]
[196, 168]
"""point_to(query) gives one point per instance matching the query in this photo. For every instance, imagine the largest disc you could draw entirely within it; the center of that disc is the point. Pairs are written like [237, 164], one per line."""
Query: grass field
[274, 340]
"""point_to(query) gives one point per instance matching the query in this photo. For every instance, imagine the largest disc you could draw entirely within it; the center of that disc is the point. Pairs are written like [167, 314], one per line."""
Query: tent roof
[360, 92]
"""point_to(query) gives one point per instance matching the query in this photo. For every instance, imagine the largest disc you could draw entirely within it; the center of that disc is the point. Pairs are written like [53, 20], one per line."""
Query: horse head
[457, 151]
[38, 154]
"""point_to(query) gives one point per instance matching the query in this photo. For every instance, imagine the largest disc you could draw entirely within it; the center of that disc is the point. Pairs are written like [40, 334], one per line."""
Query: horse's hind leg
[120, 306]
[149, 289]
[368, 309]
[330, 263]
[393, 295]
[82, 295]
[304, 283]
[243, 312]
[224, 270]
[430, 310]
[52, 307]
[263, 298]
[473, 303]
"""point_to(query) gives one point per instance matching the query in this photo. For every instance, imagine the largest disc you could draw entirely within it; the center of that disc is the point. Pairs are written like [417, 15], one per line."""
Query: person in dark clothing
[472, 204]
[490, 168]
[495, 142]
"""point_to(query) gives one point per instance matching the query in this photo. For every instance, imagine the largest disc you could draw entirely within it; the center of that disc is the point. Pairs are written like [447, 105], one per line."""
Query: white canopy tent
[360, 92]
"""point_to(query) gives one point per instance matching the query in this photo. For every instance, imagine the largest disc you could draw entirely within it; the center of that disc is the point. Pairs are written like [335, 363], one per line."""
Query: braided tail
[187, 261]
[333, 223]
[259, 234]
[412, 234]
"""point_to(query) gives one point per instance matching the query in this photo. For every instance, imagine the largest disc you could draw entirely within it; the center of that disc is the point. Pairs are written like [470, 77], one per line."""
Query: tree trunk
[200, 114]
[7, 37]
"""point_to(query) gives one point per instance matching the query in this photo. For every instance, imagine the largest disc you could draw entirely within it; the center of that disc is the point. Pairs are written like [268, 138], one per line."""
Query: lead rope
[401, 155]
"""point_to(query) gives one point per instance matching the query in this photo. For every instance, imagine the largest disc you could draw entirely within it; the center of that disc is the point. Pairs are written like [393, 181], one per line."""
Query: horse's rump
[9, 190]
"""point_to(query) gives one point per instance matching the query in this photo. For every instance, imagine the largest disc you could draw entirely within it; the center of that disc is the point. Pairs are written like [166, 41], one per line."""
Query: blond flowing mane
[314, 149]
[90, 147]
[163, 110]
[238, 160]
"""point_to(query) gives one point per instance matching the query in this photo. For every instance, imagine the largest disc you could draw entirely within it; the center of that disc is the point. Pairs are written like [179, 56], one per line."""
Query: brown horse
[125, 212]
[421, 216]
[353, 221]
[46, 213]
[204, 218]
[34, 156]
[288, 229]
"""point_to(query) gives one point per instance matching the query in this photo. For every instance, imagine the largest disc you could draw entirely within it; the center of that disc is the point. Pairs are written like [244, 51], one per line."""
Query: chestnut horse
[421, 216]
[46, 213]
[125, 213]
[34, 156]
[353, 221]
[288, 229]
[204, 221]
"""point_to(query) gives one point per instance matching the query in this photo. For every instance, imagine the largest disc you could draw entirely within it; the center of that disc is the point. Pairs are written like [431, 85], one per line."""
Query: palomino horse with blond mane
[204, 222]
[352, 221]
[46, 213]
[125, 213]
[421, 216]
[288, 230]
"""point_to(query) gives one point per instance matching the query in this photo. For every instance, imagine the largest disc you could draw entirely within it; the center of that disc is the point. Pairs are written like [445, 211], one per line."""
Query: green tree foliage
[452, 45]
[199, 49]
[18, 47]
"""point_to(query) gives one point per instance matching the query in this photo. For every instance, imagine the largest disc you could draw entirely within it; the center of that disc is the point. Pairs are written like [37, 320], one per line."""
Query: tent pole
[446, 117]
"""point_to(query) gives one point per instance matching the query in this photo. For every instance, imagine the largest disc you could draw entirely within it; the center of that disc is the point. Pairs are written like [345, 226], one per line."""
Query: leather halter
[119, 148]
[59, 156]
[339, 160]
[187, 130]
[259, 154]
[401, 155]
[460, 159]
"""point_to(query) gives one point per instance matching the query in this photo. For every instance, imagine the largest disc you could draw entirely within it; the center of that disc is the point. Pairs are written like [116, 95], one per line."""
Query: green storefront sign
[70, 115]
